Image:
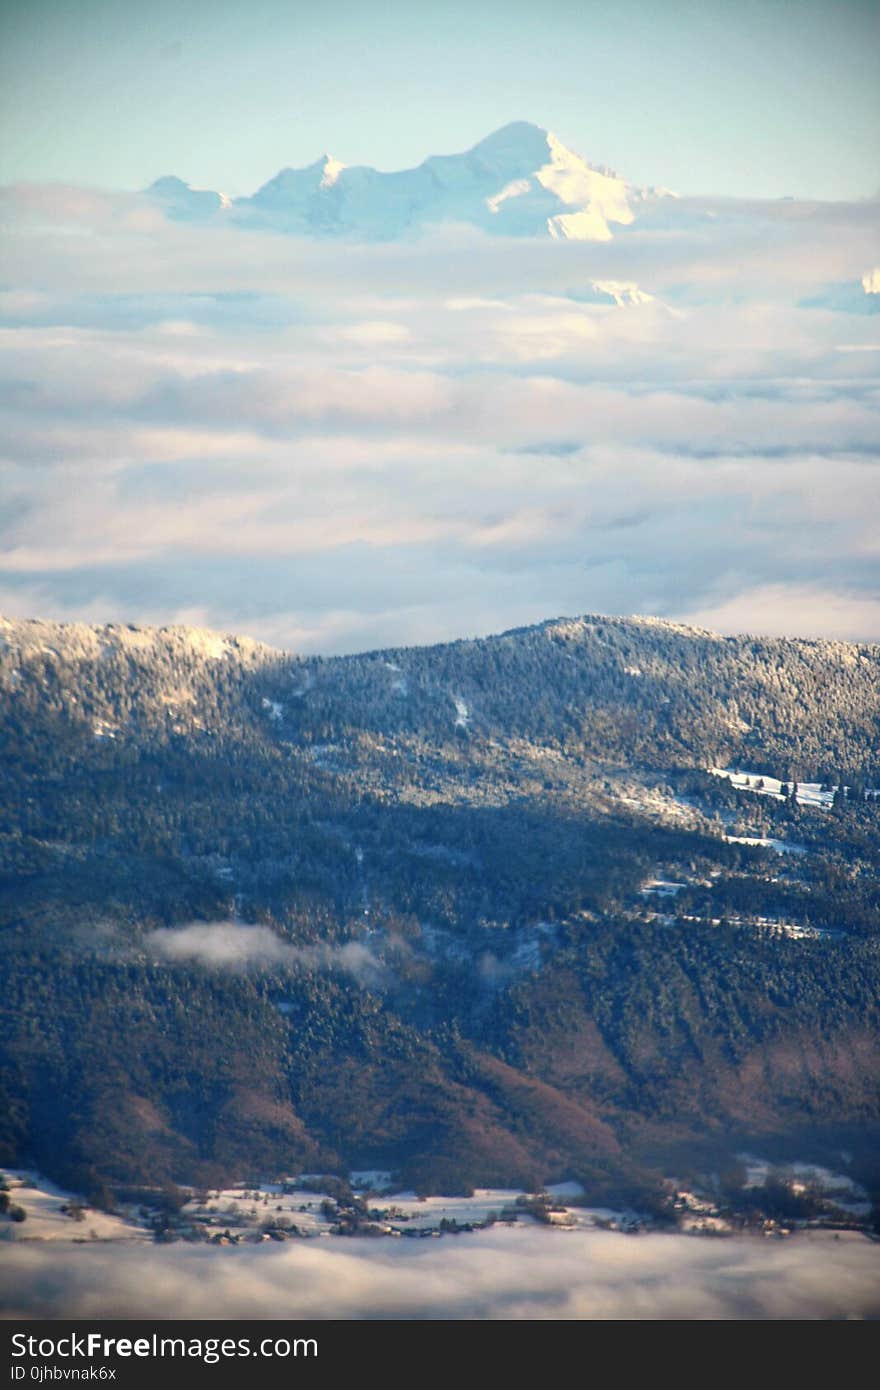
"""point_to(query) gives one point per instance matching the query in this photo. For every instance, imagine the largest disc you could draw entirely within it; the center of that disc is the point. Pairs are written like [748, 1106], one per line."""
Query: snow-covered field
[697, 1216]
[808, 793]
[302, 1208]
[370, 1180]
[246, 1208]
[662, 888]
[795, 931]
[426, 1213]
[248, 1212]
[765, 842]
[48, 1214]
[242, 1209]
[840, 1188]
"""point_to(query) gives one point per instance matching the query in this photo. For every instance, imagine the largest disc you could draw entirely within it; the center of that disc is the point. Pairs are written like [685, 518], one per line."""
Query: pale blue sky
[762, 97]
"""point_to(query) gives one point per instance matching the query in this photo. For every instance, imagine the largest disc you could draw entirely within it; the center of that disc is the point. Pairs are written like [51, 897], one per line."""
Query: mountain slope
[477, 912]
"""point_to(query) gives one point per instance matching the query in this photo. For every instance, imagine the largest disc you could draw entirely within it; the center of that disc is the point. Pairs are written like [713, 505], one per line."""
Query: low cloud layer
[335, 448]
[235, 946]
[511, 1273]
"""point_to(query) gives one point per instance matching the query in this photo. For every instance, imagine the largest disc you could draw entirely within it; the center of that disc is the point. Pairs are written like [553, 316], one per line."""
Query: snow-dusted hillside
[520, 181]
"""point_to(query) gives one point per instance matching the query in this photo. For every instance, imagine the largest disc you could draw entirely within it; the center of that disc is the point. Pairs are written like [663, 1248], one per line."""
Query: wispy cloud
[235, 946]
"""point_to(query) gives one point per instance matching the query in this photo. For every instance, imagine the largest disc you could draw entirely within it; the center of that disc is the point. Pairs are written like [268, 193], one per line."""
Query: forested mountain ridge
[634, 688]
[477, 912]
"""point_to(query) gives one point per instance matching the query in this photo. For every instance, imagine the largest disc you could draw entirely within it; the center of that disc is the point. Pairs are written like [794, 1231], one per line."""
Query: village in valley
[754, 1197]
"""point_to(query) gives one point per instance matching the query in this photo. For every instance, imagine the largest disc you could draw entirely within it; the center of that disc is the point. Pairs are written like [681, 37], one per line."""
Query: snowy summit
[520, 181]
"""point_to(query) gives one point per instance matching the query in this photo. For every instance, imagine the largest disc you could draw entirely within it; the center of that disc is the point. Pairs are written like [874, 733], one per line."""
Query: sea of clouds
[503, 1273]
[333, 447]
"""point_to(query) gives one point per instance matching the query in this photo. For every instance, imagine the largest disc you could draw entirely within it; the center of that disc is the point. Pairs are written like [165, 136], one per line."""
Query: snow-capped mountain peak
[596, 197]
[518, 145]
[332, 169]
[519, 181]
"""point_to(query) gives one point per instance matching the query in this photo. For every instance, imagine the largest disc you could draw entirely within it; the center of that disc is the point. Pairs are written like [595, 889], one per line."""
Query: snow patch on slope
[332, 169]
[808, 793]
[515, 189]
[766, 842]
[623, 292]
[598, 197]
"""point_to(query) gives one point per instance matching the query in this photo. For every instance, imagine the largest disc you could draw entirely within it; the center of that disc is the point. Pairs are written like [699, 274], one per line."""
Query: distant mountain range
[520, 181]
[477, 913]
